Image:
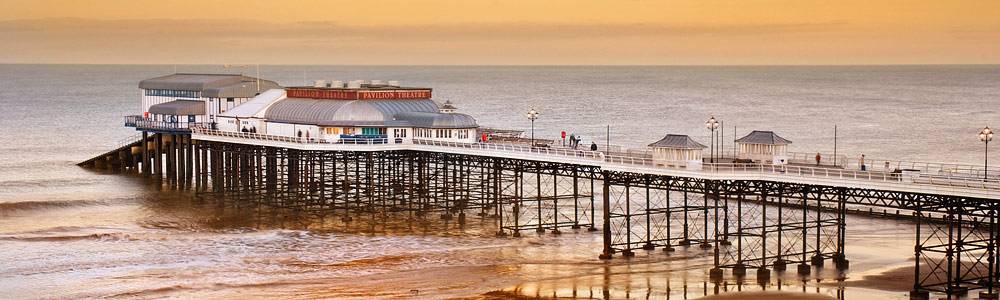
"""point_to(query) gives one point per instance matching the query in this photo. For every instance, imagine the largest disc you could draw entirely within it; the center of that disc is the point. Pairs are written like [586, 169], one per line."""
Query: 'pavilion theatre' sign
[359, 95]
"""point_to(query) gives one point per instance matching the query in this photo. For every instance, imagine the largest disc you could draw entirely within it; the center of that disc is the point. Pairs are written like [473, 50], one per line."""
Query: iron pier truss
[746, 224]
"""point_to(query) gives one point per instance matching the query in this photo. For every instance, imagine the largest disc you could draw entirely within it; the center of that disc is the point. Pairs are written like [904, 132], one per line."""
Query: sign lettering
[358, 95]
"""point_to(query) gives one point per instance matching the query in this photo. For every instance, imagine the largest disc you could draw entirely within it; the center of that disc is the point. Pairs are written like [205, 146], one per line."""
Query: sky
[494, 32]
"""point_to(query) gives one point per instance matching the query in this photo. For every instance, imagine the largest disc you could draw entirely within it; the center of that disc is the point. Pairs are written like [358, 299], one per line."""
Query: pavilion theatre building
[358, 112]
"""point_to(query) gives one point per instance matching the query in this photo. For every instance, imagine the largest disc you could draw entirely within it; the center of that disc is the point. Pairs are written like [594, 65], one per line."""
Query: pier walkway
[921, 177]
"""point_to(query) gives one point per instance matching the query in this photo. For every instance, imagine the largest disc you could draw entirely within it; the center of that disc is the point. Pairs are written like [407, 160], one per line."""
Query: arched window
[299, 134]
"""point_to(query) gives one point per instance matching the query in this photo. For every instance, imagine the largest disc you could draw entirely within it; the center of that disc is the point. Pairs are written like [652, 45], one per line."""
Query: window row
[173, 118]
[172, 93]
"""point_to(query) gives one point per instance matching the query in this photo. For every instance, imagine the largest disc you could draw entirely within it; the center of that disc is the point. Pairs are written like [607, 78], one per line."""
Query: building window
[172, 93]
[443, 133]
[372, 131]
[230, 100]
[463, 134]
[400, 133]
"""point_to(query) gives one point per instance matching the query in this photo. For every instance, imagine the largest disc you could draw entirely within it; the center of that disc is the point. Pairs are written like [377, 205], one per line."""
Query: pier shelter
[764, 147]
[679, 151]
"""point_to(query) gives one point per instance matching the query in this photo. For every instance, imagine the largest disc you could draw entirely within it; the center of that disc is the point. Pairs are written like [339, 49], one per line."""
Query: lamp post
[532, 115]
[986, 136]
[712, 124]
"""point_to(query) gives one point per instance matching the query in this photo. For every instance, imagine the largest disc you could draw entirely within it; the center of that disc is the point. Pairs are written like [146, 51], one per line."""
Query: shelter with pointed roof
[679, 151]
[764, 147]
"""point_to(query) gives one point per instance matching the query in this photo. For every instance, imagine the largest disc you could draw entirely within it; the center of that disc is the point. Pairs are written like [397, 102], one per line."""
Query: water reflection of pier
[621, 282]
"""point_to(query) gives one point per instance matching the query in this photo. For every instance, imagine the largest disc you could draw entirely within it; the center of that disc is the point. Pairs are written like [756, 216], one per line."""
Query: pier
[750, 216]
[757, 211]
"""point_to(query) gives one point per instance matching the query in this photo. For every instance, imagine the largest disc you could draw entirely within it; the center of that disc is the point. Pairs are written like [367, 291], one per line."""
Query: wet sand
[501, 295]
[768, 296]
[897, 279]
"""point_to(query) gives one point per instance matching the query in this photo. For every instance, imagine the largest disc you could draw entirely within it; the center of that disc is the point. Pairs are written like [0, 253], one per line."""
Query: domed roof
[396, 112]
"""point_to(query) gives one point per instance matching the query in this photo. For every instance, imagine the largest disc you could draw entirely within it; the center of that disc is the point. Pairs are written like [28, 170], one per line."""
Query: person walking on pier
[817, 158]
[593, 146]
[572, 140]
[862, 162]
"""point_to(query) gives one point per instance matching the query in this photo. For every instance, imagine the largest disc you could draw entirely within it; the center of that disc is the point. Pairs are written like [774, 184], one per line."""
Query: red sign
[323, 94]
[358, 95]
[416, 94]
[563, 134]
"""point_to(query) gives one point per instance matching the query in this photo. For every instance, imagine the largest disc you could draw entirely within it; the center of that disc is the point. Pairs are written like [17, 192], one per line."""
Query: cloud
[243, 29]
[76, 40]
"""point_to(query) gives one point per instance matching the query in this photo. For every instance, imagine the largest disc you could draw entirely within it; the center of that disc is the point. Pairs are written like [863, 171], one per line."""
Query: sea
[68, 232]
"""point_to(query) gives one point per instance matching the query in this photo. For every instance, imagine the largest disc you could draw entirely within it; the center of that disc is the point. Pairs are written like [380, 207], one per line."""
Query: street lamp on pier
[986, 135]
[712, 124]
[532, 115]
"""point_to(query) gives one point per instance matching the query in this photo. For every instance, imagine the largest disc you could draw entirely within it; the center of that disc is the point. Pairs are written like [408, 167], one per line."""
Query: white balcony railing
[955, 175]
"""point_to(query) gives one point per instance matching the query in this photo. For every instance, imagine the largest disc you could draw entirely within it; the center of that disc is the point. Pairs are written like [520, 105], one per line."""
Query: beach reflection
[534, 265]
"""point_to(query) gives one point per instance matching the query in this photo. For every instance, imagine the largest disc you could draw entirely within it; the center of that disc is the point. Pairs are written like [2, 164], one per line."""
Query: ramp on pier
[118, 157]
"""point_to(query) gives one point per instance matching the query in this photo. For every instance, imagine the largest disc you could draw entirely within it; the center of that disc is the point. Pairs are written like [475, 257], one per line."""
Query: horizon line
[519, 65]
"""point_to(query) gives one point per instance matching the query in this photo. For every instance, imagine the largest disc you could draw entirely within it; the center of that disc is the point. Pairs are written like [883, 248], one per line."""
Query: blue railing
[146, 123]
[130, 121]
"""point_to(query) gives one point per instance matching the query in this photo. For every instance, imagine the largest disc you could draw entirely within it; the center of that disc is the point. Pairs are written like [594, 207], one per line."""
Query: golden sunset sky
[513, 32]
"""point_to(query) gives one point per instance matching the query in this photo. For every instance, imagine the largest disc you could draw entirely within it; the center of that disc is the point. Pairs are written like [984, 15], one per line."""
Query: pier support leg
[145, 154]
[608, 251]
[188, 160]
[158, 156]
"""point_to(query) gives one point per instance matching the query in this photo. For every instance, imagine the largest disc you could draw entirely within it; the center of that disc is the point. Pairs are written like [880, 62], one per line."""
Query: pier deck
[750, 215]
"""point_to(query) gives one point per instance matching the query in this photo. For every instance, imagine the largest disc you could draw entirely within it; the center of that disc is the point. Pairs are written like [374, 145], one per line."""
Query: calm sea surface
[69, 232]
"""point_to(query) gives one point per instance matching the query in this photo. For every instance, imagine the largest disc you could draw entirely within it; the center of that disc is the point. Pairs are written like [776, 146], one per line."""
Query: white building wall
[404, 133]
[308, 131]
[216, 106]
[228, 124]
[282, 129]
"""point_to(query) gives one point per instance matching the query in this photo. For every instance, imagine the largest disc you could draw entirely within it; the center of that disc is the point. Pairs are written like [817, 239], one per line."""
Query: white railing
[872, 164]
[129, 140]
[920, 173]
[914, 176]
[289, 139]
[594, 155]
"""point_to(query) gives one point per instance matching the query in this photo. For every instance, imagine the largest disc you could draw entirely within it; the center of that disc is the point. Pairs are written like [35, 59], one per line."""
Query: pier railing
[129, 140]
[289, 139]
[929, 173]
[955, 175]
[146, 123]
[516, 148]
[132, 120]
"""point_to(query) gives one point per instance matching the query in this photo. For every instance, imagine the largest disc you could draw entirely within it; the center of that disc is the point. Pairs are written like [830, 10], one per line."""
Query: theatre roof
[379, 113]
